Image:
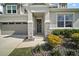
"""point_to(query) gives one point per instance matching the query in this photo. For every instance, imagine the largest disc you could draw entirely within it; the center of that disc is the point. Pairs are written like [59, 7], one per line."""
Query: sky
[73, 5]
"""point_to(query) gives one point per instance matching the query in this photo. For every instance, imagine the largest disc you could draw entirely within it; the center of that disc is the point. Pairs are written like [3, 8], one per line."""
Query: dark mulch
[42, 53]
[68, 43]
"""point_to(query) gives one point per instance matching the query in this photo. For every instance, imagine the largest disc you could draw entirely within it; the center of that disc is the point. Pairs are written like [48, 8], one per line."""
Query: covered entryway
[14, 28]
[38, 23]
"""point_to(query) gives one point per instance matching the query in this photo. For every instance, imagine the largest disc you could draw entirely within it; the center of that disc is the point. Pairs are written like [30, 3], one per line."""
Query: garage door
[17, 28]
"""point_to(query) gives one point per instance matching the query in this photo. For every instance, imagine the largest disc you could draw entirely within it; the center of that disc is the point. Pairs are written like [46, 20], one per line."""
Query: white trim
[64, 28]
[73, 18]
[38, 17]
[64, 20]
[20, 8]
[56, 19]
[11, 9]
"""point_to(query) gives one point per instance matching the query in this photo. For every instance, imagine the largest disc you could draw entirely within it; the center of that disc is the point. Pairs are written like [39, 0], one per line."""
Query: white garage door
[17, 28]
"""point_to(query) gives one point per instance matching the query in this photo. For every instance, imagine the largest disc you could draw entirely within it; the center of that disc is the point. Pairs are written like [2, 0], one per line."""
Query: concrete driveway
[8, 44]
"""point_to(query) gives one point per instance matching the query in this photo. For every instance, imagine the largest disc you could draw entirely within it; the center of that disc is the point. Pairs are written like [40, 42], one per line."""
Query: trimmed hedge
[65, 32]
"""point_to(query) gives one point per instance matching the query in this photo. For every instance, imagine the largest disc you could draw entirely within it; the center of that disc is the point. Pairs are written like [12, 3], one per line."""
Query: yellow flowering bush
[75, 37]
[54, 40]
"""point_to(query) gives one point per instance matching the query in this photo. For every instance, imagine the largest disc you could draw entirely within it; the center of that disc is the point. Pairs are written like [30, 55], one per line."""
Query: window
[60, 23]
[24, 22]
[68, 24]
[68, 20]
[18, 22]
[53, 5]
[65, 20]
[14, 9]
[38, 3]
[11, 22]
[63, 5]
[8, 9]
[69, 16]
[11, 9]
[5, 23]
[60, 20]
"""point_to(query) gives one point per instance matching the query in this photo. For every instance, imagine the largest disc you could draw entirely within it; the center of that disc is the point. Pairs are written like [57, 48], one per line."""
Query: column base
[30, 38]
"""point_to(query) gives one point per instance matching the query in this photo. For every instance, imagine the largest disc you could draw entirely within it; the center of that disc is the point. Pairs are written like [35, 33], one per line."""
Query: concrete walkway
[30, 44]
[8, 44]
[38, 40]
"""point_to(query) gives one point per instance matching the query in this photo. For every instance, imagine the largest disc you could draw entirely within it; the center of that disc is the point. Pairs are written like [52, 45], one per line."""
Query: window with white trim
[64, 20]
[11, 9]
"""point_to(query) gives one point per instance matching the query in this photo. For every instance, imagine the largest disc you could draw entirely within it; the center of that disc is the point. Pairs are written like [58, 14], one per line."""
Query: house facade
[36, 18]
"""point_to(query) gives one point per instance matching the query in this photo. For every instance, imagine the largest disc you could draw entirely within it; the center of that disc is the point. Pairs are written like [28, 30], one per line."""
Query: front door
[39, 26]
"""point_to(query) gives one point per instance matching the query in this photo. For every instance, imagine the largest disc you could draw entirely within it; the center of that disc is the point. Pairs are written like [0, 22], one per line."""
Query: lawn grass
[21, 52]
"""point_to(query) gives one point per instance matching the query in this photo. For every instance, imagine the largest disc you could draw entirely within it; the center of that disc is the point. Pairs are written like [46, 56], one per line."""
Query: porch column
[0, 28]
[20, 9]
[30, 25]
[47, 23]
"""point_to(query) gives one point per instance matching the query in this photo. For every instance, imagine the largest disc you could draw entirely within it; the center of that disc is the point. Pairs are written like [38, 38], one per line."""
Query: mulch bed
[42, 53]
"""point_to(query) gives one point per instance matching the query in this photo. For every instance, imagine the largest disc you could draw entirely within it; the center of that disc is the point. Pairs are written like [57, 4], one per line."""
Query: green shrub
[75, 30]
[58, 32]
[65, 32]
[58, 51]
[55, 53]
[70, 52]
[75, 37]
[37, 49]
[46, 47]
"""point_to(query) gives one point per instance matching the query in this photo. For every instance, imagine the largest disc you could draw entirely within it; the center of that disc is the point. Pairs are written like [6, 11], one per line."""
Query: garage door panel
[14, 29]
[8, 32]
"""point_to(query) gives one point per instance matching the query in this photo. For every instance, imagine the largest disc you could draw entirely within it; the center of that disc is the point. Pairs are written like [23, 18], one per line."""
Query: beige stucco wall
[39, 8]
[52, 20]
[76, 20]
[13, 18]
